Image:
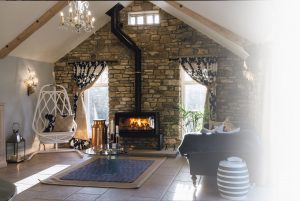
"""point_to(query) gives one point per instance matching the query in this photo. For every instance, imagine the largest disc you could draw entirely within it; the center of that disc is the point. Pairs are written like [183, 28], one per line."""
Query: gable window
[143, 18]
[96, 100]
[193, 101]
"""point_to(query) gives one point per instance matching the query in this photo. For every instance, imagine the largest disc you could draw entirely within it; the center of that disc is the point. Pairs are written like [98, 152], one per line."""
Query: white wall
[13, 93]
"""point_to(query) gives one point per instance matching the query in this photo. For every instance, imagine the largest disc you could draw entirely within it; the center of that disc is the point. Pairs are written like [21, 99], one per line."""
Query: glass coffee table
[105, 151]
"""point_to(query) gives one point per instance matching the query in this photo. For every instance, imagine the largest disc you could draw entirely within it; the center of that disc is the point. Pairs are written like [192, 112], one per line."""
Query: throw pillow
[229, 127]
[51, 121]
[214, 124]
[215, 130]
[63, 124]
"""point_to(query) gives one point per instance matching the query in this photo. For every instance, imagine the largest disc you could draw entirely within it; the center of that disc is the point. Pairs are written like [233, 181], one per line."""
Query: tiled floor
[171, 181]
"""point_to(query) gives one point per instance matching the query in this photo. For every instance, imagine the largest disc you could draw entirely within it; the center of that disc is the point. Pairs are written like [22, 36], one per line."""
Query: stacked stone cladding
[161, 90]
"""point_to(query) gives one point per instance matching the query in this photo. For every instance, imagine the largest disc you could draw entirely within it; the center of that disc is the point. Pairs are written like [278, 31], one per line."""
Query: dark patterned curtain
[204, 71]
[85, 74]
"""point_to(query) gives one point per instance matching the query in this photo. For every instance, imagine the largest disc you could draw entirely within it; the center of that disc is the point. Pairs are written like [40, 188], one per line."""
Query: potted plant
[192, 121]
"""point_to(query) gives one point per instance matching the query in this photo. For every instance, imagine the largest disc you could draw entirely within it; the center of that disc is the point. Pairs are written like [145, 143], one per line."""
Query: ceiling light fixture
[79, 17]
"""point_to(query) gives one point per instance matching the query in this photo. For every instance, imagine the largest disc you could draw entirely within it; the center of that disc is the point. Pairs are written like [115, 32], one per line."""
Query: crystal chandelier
[79, 17]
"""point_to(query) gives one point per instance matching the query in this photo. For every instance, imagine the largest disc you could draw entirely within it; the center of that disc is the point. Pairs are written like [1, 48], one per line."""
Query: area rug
[122, 172]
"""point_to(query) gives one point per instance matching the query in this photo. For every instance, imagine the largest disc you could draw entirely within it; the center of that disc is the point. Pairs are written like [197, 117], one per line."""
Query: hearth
[141, 124]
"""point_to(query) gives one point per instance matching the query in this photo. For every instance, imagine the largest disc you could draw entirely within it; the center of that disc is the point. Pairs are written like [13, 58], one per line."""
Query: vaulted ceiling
[251, 20]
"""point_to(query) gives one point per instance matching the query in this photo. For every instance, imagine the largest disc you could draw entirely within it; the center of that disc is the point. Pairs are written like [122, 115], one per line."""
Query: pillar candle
[117, 129]
[112, 126]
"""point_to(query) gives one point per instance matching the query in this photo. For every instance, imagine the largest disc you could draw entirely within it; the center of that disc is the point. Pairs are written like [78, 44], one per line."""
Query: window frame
[184, 83]
[143, 14]
[87, 100]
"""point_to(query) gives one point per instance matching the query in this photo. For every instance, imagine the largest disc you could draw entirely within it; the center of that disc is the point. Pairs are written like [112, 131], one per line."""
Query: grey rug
[123, 172]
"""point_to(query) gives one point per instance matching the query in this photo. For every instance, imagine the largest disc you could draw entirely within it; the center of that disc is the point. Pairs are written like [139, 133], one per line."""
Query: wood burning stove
[141, 124]
[137, 123]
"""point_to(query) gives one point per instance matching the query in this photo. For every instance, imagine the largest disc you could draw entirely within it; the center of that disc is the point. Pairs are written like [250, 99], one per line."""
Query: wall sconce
[31, 82]
[247, 73]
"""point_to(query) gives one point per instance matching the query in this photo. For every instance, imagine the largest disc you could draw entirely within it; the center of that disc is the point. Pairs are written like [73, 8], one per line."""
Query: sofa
[204, 152]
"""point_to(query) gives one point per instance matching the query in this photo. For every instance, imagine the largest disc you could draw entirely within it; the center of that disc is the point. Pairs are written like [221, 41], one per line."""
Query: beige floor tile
[53, 188]
[151, 191]
[184, 176]
[181, 186]
[22, 187]
[90, 190]
[171, 181]
[170, 196]
[82, 197]
[26, 196]
[141, 199]
[208, 196]
[167, 171]
[172, 162]
[160, 180]
[117, 195]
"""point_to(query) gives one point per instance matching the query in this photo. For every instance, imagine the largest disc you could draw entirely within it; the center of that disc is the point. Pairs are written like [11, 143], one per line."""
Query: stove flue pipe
[116, 30]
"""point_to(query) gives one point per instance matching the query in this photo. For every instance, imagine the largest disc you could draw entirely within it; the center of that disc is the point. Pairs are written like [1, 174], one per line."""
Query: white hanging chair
[54, 100]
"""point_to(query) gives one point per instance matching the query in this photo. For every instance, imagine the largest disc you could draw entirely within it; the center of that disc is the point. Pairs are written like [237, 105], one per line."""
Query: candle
[62, 18]
[70, 12]
[88, 16]
[112, 126]
[117, 129]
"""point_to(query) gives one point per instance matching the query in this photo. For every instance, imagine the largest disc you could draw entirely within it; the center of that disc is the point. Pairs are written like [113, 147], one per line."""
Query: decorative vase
[233, 179]
[99, 136]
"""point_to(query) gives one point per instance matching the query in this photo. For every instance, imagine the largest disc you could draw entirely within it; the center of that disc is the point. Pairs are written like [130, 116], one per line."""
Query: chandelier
[79, 17]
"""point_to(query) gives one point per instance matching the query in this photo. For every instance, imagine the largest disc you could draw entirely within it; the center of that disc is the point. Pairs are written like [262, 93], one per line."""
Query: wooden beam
[32, 28]
[212, 25]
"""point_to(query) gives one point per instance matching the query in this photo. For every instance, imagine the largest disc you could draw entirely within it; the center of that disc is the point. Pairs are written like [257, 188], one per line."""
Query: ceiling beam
[216, 27]
[221, 35]
[43, 19]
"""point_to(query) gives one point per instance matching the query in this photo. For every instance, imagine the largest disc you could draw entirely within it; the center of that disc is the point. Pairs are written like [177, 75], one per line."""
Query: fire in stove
[141, 123]
[131, 124]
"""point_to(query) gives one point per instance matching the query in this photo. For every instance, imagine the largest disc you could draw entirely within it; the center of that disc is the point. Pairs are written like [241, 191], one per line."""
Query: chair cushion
[51, 121]
[63, 124]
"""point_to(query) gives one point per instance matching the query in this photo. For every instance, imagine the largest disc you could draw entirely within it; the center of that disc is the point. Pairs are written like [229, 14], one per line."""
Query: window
[143, 18]
[96, 100]
[193, 99]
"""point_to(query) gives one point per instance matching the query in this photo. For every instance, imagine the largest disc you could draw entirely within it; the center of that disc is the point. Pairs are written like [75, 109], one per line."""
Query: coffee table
[105, 151]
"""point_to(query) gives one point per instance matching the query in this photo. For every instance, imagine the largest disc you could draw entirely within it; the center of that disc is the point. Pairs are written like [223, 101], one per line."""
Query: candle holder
[15, 146]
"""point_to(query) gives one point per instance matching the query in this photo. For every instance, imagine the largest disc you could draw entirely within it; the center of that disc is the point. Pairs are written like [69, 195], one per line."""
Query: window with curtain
[96, 100]
[193, 100]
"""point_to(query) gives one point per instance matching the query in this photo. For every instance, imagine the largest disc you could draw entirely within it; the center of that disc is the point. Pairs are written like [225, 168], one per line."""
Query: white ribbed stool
[233, 179]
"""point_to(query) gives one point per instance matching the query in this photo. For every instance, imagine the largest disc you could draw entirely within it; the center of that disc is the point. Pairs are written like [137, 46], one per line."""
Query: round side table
[233, 179]
[7, 190]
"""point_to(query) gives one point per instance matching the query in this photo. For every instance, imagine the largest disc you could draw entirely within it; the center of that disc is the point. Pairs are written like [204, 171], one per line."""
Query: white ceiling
[49, 43]
[250, 19]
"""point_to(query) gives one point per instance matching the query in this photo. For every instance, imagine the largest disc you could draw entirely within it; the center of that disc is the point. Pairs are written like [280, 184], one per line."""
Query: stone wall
[160, 76]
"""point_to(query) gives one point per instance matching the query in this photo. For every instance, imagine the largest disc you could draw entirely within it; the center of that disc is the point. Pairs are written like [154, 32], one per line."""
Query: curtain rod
[107, 61]
[176, 58]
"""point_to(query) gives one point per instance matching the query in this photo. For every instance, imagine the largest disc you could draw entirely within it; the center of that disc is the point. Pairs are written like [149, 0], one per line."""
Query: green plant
[192, 121]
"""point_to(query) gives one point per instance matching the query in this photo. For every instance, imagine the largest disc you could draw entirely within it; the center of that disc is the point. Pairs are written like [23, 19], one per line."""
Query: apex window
[143, 18]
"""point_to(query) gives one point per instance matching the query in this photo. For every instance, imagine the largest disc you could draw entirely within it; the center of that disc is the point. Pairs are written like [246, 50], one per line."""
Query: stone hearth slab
[155, 153]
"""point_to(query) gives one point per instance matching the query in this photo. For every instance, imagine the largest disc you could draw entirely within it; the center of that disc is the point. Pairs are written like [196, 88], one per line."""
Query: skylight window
[143, 18]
